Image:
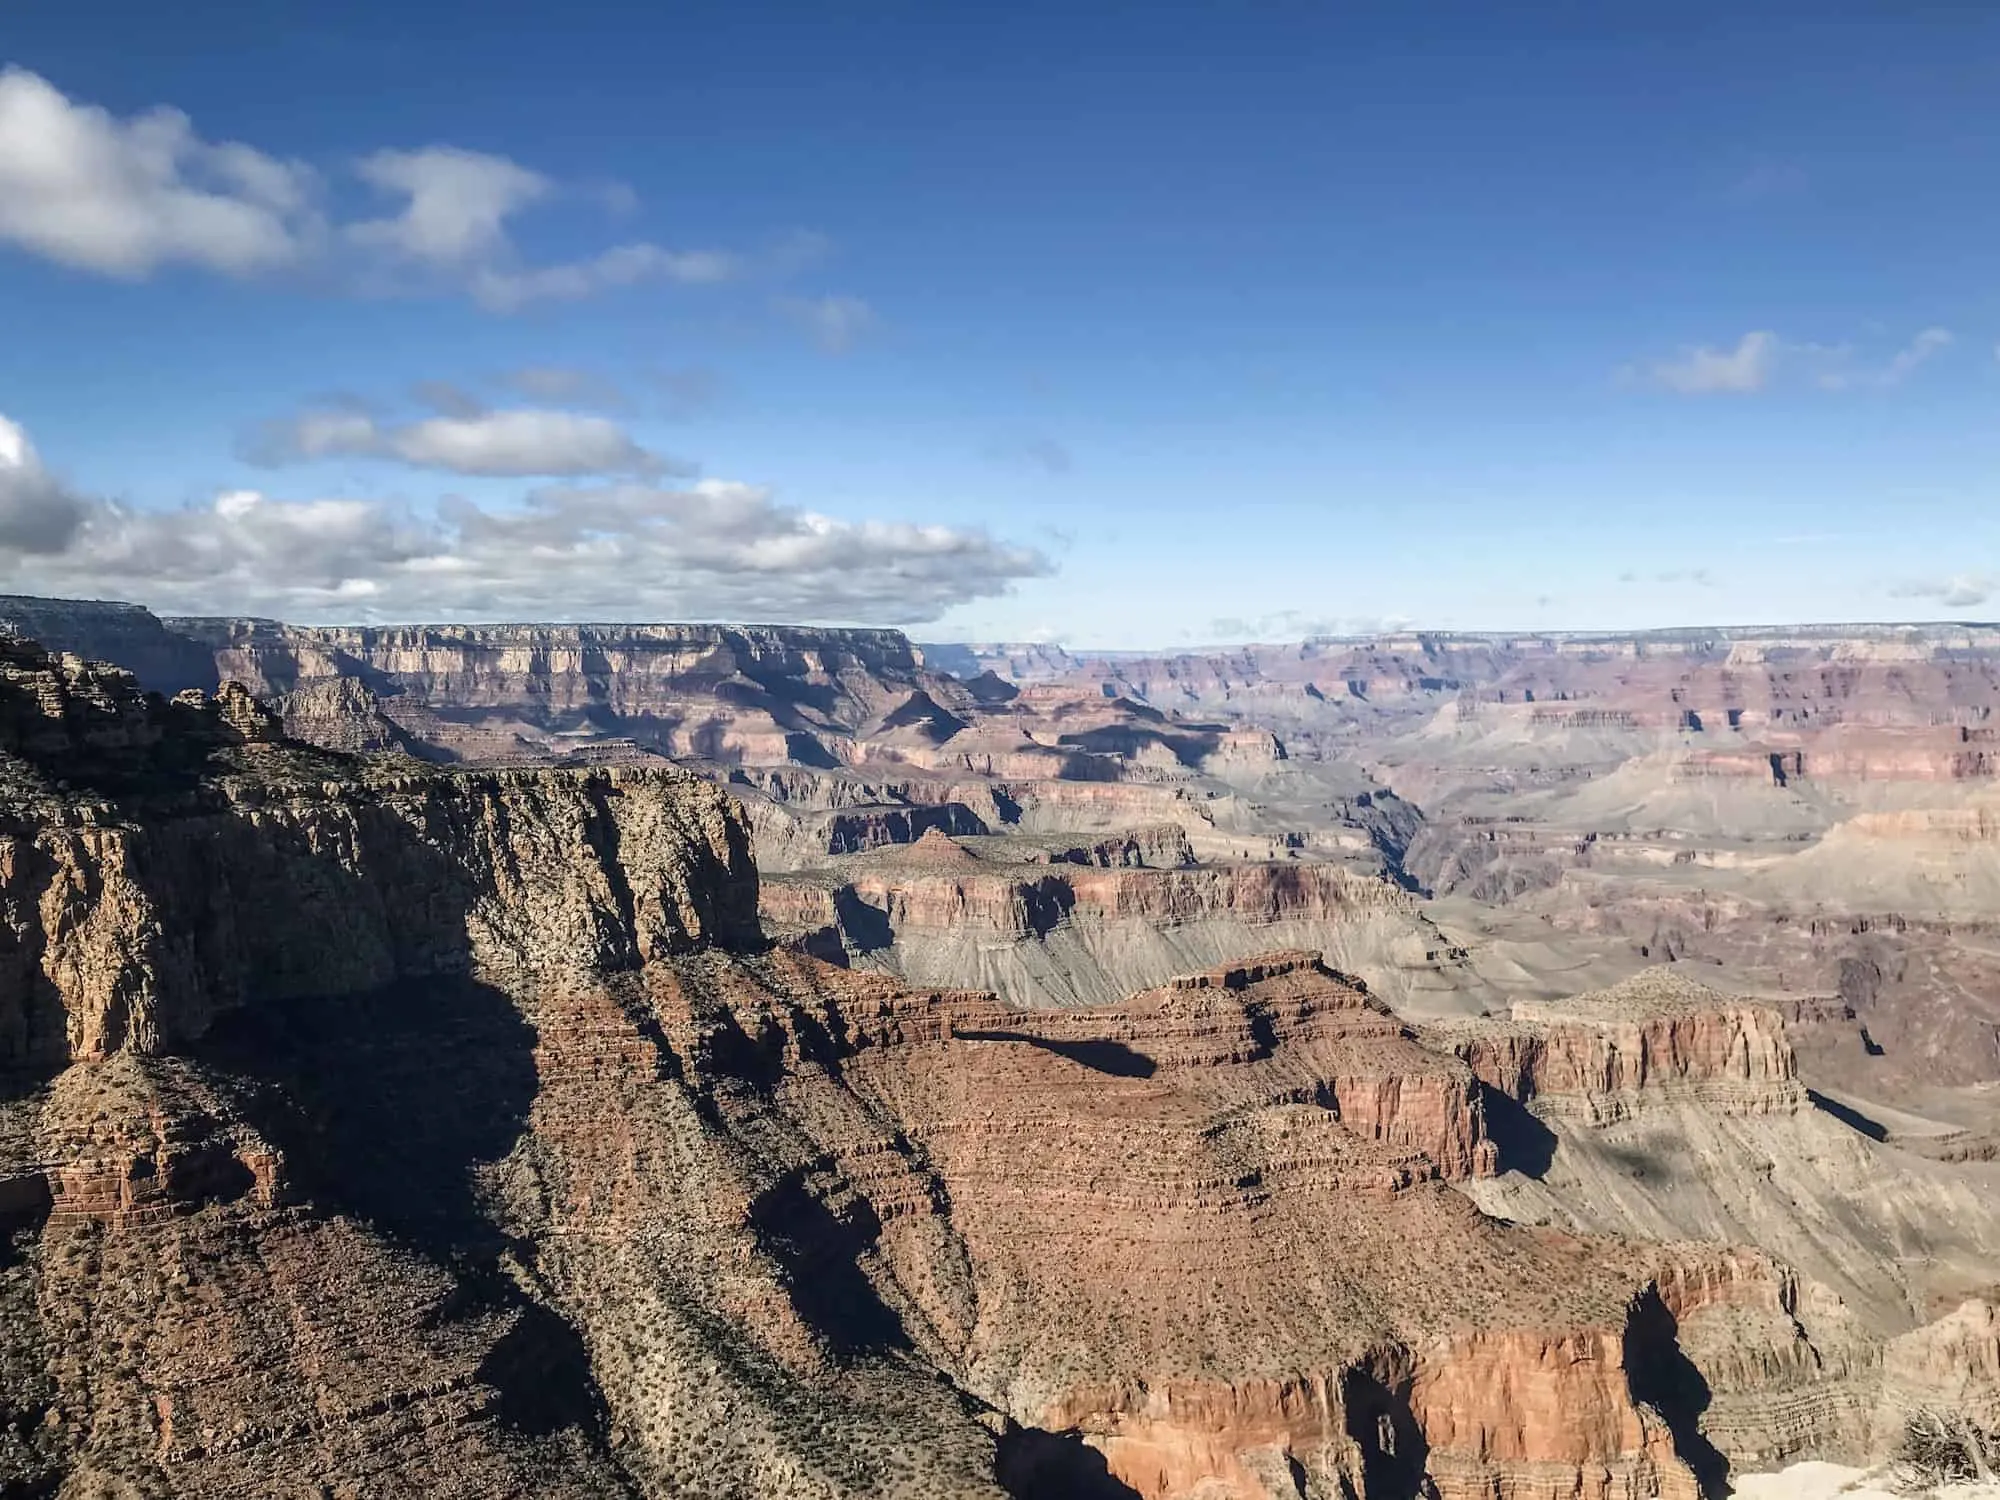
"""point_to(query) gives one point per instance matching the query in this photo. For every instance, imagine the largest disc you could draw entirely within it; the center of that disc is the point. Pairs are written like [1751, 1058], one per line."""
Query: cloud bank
[38, 516]
[1961, 591]
[712, 550]
[125, 198]
[505, 444]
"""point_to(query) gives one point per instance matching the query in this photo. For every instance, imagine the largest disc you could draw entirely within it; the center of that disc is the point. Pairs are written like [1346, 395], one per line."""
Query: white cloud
[1901, 365]
[123, 197]
[713, 550]
[507, 290]
[458, 203]
[1919, 349]
[1761, 356]
[1961, 591]
[524, 442]
[1707, 371]
[37, 515]
[513, 443]
[836, 324]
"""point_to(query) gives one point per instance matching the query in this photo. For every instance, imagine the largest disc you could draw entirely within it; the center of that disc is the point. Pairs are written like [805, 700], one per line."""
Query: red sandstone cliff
[1656, 1036]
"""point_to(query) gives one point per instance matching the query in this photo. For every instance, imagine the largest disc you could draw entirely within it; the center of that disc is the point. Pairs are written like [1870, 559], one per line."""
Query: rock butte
[700, 1060]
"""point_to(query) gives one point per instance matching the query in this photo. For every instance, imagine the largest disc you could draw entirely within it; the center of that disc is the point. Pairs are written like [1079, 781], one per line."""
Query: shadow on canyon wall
[1663, 1377]
[1034, 1464]
[1848, 1115]
[1114, 1059]
[1526, 1145]
[1394, 1454]
[388, 1101]
[819, 1253]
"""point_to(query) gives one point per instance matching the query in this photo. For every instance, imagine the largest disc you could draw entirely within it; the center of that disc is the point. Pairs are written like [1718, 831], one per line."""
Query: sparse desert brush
[1940, 1448]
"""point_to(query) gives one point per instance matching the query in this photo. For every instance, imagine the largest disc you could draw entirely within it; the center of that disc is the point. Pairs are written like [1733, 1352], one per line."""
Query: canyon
[742, 1061]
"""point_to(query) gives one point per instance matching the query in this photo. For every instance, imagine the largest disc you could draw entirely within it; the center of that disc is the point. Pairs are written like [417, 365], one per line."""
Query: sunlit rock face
[377, 1124]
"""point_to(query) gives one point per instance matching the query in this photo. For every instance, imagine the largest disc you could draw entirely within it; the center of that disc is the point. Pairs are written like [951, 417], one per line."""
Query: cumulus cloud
[457, 203]
[455, 222]
[1707, 371]
[123, 197]
[514, 443]
[1961, 591]
[37, 515]
[836, 324]
[617, 551]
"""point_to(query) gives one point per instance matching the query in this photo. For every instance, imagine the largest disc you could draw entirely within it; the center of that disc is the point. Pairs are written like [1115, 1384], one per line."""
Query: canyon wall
[132, 917]
[1089, 929]
[661, 1218]
[402, 1130]
[1655, 1038]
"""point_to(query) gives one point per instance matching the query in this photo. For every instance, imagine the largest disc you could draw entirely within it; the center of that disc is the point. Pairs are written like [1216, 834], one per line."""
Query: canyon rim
[699, 1060]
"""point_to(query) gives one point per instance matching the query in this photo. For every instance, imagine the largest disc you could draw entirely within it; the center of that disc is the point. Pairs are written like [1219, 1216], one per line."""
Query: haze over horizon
[1144, 328]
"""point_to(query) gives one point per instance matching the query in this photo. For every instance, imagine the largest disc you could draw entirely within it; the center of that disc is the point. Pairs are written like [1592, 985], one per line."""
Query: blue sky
[1118, 324]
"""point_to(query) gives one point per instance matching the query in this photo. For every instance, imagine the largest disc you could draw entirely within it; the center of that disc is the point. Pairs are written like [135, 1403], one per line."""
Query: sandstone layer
[439, 1120]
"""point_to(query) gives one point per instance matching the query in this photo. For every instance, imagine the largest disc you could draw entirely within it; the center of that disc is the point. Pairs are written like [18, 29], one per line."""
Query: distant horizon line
[1830, 629]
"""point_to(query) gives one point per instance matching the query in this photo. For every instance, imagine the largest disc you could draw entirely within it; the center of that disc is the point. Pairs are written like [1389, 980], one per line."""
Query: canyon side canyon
[745, 1061]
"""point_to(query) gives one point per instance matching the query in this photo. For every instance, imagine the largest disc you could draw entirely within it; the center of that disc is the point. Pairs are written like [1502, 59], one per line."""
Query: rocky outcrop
[134, 934]
[1246, 1095]
[1005, 903]
[1657, 1037]
[625, 668]
[1042, 922]
[131, 917]
[101, 630]
[1949, 1366]
[341, 713]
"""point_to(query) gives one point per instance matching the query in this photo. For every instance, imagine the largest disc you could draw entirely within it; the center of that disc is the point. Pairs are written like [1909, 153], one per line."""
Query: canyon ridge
[740, 1061]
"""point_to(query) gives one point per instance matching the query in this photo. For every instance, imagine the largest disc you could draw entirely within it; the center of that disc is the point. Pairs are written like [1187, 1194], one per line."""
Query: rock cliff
[369, 1127]
[1003, 914]
[103, 630]
[136, 914]
[1655, 1038]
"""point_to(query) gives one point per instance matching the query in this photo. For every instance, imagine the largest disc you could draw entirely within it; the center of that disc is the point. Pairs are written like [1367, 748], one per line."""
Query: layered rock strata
[376, 1129]
[1065, 922]
[1655, 1038]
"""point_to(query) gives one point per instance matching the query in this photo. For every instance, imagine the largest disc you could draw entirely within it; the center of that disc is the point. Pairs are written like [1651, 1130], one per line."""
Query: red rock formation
[1600, 1056]
[1216, 1187]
